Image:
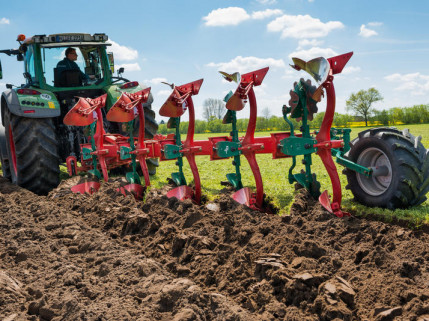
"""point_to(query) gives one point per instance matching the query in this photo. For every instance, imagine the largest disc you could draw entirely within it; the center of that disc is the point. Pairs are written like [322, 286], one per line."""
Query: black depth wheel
[32, 148]
[401, 168]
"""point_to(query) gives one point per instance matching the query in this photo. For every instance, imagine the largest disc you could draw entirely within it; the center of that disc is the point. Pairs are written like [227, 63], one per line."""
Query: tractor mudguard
[10, 100]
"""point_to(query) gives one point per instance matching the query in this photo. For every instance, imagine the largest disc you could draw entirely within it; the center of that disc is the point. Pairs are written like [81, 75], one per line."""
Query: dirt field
[107, 257]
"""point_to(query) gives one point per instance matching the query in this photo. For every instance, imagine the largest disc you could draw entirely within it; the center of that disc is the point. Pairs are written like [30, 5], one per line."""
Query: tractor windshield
[88, 60]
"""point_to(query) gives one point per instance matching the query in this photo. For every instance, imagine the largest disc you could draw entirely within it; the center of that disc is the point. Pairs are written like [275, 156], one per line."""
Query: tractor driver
[68, 63]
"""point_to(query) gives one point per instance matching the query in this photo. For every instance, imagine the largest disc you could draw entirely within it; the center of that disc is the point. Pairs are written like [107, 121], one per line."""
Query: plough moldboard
[106, 151]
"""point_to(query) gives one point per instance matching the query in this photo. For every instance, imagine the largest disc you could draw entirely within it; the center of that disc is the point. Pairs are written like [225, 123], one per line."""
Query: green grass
[274, 175]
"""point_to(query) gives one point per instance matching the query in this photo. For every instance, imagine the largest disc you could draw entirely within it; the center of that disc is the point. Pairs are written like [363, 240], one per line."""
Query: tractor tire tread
[36, 150]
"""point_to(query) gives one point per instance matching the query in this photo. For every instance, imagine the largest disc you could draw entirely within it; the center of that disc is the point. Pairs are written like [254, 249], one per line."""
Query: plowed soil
[108, 257]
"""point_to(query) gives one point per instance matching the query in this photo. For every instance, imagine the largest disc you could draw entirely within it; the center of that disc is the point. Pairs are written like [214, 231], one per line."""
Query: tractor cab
[53, 81]
[93, 66]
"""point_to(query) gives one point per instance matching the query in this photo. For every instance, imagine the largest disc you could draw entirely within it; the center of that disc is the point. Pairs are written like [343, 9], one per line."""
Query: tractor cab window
[88, 60]
[29, 64]
[93, 65]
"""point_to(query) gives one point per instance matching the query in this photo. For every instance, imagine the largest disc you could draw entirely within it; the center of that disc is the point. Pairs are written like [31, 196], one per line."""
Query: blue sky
[182, 41]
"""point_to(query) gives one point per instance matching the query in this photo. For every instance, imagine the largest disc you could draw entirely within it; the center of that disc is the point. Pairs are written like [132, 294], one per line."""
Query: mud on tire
[407, 181]
[32, 148]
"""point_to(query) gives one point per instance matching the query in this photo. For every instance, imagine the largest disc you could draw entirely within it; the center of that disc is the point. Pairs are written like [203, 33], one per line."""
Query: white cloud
[366, 33]
[313, 52]
[260, 90]
[375, 24]
[130, 67]
[247, 64]
[122, 52]
[267, 1]
[350, 70]
[258, 15]
[396, 77]
[155, 81]
[233, 16]
[415, 83]
[4, 21]
[164, 92]
[230, 16]
[301, 27]
[305, 43]
[289, 74]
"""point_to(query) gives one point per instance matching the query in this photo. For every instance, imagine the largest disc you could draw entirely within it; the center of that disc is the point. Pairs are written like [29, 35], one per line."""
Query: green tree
[341, 120]
[383, 117]
[410, 117]
[183, 127]
[242, 124]
[317, 120]
[419, 114]
[360, 103]
[214, 125]
[200, 126]
[396, 115]
[162, 129]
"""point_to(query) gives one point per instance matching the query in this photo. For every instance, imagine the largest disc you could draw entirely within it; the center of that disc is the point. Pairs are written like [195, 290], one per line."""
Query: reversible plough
[106, 151]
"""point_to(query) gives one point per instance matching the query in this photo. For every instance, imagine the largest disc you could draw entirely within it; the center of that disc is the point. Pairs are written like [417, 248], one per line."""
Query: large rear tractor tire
[401, 168]
[32, 149]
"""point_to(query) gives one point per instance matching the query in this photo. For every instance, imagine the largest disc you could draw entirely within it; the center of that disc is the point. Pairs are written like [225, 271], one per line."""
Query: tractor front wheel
[400, 165]
[32, 149]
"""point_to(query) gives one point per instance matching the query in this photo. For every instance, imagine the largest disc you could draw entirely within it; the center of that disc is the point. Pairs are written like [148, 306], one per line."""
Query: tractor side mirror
[1, 72]
[111, 62]
[28, 77]
[121, 71]
[20, 57]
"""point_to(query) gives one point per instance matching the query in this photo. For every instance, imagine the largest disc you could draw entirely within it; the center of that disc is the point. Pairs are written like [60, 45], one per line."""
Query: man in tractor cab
[68, 73]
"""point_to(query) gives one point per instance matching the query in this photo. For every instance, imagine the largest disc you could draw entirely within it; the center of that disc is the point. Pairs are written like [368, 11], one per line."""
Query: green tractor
[35, 141]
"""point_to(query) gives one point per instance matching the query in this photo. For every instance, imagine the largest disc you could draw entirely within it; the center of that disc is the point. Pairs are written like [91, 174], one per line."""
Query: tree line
[416, 114]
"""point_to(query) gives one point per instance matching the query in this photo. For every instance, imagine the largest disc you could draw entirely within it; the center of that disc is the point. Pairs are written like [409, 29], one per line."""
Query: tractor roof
[68, 39]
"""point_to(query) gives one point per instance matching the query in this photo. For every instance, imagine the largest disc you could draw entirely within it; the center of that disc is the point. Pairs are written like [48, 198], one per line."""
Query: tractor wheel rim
[374, 157]
[12, 151]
